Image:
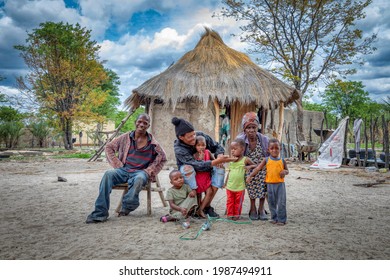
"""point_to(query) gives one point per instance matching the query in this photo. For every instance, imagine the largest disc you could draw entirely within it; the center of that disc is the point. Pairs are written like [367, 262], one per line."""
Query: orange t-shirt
[273, 167]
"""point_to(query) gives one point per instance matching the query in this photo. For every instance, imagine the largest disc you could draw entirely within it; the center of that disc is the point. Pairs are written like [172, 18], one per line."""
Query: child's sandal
[164, 219]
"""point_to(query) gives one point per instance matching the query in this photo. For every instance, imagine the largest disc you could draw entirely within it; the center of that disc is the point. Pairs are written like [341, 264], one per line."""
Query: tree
[304, 40]
[8, 114]
[348, 98]
[10, 126]
[65, 73]
[111, 86]
[386, 105]
[40, 130]
[313, 106]
[129, 125]
[2, 96]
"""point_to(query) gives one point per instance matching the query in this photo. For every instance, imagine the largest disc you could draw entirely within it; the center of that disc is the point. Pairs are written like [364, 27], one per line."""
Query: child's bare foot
[273, 222]
[280, 224]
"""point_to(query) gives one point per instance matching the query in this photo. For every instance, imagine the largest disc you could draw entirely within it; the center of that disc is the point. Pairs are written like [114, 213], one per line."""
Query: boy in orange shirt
[276, 171]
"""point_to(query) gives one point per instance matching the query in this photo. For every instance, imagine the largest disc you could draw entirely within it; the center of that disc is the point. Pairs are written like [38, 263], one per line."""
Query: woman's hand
[221, 159]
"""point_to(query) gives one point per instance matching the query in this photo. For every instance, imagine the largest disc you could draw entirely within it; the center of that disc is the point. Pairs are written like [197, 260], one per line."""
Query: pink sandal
[164, 219]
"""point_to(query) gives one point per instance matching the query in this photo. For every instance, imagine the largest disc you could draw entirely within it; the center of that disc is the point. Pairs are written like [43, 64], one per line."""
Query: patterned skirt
[256, 188]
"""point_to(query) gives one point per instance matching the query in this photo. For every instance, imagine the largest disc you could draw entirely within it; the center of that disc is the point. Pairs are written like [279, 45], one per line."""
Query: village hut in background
[210, 78]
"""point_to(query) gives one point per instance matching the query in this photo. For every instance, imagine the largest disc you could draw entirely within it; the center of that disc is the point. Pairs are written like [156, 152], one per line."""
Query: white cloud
[27, 14]
[9, 91]
[138, 57]
[168, 37]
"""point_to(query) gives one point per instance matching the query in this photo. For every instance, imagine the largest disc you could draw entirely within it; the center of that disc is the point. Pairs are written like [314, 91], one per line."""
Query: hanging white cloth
[332, 150]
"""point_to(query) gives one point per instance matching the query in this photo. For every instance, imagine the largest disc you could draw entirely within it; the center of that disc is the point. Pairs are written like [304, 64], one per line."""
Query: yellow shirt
[274, 166]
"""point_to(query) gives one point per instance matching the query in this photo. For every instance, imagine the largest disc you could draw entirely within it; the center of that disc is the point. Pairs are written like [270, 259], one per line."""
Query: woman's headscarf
[250, 118]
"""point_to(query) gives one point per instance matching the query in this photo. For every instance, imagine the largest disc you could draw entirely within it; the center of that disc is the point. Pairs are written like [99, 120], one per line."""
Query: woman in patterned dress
[256, 150]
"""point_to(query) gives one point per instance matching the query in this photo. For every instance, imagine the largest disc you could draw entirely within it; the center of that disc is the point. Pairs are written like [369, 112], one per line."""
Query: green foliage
[8, 114]
[2, 96]
[386, 106]
[10, 131]
[40, 130]
[66, 75]
[130, 124]
[313, 106]
[75, 155]
[308, 39]
[304, 41]
[348, 98]
[330, 118]
[111, 86]
[10, 126]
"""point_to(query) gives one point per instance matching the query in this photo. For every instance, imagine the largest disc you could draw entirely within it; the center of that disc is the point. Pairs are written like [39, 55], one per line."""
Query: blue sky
[141, 38]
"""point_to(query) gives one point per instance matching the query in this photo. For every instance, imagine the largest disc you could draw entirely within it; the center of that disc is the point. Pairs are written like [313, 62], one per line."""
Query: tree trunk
[66, 125]
[300, 134]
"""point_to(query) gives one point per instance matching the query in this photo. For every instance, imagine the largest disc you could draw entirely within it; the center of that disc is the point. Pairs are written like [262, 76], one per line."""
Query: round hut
[210, 78]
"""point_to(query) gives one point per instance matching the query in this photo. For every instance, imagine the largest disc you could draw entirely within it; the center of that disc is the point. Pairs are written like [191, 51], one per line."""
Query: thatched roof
[213, 70]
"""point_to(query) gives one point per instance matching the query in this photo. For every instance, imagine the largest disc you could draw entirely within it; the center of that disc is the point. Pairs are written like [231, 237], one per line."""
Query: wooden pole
[263, 120]
[310, 139]
[272, 119]
[372, 134]
[288, 140]
[359, 163]
[366, 143]
[385, 140]
[281, 120]
[322, 132]
[151, 114]
[217, 112]
[101, 149]
[344, 161]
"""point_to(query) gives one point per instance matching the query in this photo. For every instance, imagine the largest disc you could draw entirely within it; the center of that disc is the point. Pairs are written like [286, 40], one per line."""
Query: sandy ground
[328, 218]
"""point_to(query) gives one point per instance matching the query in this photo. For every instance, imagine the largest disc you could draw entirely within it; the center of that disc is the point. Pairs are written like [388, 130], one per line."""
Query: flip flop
[164, 219]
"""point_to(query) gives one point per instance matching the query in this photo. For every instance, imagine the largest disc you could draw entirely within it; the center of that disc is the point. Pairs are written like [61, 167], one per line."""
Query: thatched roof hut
[210, 76]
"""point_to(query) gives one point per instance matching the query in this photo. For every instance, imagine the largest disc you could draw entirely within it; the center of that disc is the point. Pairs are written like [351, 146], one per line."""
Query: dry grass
[213, 70]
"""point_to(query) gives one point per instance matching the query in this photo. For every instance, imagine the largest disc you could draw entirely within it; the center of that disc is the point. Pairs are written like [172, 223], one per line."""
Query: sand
[328, 219]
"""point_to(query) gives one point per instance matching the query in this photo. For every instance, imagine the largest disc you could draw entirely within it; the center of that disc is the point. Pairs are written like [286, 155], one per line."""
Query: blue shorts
[217, 176]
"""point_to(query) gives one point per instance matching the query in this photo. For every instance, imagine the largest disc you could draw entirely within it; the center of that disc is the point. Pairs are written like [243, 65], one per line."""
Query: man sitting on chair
[140, 158]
